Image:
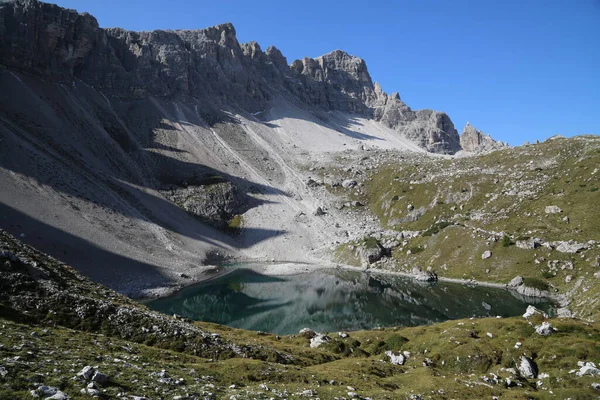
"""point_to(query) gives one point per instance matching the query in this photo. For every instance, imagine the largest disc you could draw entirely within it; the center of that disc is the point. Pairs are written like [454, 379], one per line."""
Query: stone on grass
[86, 373]
[486, 254]
[553, 210]
[531, 311]
[308, 333]
[545, 329]
[396, 359]
[527, 368]
[516, 281]
[319, 340]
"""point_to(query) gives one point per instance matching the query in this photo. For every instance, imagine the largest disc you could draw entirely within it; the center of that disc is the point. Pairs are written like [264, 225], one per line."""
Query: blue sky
[520, 70]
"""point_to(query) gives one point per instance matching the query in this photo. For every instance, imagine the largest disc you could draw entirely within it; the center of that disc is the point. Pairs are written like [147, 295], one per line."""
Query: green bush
[436, 228]
[506, 241]
[536, 283]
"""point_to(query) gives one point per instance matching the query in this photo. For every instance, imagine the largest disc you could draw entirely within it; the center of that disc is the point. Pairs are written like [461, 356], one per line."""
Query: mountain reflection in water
[334, 300]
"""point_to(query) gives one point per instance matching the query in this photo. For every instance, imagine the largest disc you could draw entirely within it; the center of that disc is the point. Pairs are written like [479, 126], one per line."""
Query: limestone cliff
[207, 65]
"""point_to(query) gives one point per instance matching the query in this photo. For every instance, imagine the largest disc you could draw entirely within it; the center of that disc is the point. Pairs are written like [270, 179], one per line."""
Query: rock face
[210, 66]
[474, 140]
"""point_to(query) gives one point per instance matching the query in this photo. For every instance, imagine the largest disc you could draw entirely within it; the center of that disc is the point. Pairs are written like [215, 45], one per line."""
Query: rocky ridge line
[208, 66]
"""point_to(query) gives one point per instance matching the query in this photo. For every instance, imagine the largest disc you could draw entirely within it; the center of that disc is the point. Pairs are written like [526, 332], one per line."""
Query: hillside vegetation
[535, 208]
[55, 322]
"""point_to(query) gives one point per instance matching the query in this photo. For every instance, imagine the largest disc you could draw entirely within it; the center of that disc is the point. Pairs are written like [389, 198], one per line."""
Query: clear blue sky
[518, 69]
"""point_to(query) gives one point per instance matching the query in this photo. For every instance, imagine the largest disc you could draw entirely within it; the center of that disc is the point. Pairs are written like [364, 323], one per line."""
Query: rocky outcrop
[208, 66]
[474, 140]
[215, 203]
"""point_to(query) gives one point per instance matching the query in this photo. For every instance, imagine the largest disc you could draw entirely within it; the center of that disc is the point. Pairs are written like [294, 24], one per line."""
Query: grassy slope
[47, 338]
[502, 192]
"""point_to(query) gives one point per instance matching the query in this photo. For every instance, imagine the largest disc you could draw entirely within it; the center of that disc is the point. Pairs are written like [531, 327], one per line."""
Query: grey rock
[215, 202]
[596, 386]
[397, 359]
[208, 65]
[527, 368]
[425, 276]
[100, 378]
[564, 312]
[308, 333]
[516, 281]
[545, 329]
[486, 254]
[318, 340]
[473, 140]
[531, 311]
[570, 247]
[349, 183]
[3, 371]
[552, 210]
[527, 244]
[370, 252]
[319, 211]
[589, 368]
[86, 373]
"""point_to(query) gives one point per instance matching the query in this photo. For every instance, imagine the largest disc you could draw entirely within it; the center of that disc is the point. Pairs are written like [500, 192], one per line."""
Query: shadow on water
[332, 300]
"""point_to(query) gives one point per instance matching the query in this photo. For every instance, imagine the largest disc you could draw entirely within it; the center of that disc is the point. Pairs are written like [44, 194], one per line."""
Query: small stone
[486, 254]
[552, 210]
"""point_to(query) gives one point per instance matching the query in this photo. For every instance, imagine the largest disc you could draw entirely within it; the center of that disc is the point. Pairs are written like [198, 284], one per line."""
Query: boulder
[552, 210]
[319, 211]
[425, 276]
[570, 247]
[349, 183]
[531, 311]
[318, 340]
[100, 378]
[527, 368]
[588, 368]
[396, 359]
[545, 329]
[86, 373]
[486, 254]
[527, 244]
[516, 281]
[308, 333]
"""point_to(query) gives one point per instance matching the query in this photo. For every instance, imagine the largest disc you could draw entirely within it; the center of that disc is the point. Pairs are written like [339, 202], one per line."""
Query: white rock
[516, 281]
[486, 254]
[319, 340]
[553, 210]
[397, 359]
[531, 310]
[545, 329]
[527, 368]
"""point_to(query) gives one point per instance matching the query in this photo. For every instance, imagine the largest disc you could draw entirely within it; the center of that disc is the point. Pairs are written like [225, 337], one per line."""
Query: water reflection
[332, 300]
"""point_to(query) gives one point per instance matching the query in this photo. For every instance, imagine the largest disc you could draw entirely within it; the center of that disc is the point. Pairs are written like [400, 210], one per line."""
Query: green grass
[504, 193]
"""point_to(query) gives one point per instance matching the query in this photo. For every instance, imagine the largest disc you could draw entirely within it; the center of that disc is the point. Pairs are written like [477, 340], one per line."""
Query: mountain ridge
[206, 64]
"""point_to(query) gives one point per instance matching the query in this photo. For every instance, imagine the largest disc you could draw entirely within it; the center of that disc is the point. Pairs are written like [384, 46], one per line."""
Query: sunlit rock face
[208, 66]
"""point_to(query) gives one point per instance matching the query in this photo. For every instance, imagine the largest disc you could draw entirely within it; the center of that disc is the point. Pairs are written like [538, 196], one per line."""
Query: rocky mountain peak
[474, 140]
[208, 65]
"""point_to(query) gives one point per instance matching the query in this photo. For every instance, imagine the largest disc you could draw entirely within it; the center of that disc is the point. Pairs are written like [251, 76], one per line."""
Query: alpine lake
[332, 300]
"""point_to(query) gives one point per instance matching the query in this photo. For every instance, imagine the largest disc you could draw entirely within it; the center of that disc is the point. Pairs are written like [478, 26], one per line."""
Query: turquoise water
[335, 300]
